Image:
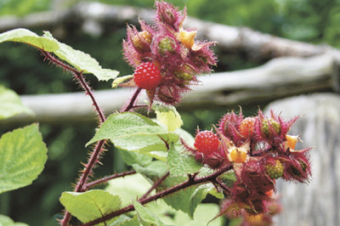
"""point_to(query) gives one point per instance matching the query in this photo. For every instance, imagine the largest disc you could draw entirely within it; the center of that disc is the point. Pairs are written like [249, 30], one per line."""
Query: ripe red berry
[206, 142]
[147, 76]
[247, 127]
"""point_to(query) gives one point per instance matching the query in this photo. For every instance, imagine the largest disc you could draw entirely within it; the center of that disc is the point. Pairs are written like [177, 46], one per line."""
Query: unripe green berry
[165, 45]
[275, 171]
[184, 76]
[265, 126]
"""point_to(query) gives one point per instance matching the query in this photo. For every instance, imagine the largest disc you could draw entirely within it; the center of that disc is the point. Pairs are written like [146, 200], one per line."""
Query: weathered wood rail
[278, 78]
[318, 202]
[94, 18]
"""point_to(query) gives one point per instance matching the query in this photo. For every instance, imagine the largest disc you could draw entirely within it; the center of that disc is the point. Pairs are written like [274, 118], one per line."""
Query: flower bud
[187, 38]
[141, 41]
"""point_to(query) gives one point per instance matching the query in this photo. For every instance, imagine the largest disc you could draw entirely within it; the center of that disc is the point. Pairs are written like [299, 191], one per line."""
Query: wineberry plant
[238, 161]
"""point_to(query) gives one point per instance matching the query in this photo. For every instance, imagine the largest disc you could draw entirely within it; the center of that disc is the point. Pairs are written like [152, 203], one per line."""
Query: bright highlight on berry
[147, 76]
[206, 142]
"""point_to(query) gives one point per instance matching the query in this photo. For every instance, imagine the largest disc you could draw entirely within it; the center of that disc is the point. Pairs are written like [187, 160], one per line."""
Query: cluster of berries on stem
[165, 56]
[260, 152]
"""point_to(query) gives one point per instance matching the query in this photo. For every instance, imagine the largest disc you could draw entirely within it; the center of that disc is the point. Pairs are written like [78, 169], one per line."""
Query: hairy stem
[190, 182]
[81, 80]
[155, 185]
[94, 158]
[106, 179]
[132, 101]
[223, 186]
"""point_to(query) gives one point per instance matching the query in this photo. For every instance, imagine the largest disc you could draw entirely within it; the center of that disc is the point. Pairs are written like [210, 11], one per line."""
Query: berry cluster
[172, 50]
[260, 151]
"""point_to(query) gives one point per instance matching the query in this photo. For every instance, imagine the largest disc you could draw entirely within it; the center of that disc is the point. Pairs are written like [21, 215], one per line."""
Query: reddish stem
[106, 179]
[223, 186]
[132, 101]
[94, 158]
[155, 185]
[80, 78]
[190, 182]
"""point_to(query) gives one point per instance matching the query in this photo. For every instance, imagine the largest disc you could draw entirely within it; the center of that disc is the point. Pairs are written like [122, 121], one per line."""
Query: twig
[105, 179]
[188, 183]
[132, 101]
[155, 185]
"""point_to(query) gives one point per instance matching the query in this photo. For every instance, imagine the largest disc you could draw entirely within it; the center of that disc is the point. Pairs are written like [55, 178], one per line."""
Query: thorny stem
[188, 183]
[79, 76]
[106, 179]
[223, 186]
[132, 101]
[94, 158]
[155, 185]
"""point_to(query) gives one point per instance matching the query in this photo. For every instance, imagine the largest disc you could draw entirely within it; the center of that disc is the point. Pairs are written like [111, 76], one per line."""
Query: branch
[106, 179]
[155, 185]
[188, 183]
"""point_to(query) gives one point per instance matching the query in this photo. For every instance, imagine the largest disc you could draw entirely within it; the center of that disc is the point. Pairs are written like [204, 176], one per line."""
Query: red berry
[147, 76]
[206, 142]
[247, 127]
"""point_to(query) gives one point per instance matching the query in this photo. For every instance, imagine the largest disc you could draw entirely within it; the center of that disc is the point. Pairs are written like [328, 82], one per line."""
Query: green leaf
[152, 171]
[119, 80]
[131, 158]
[10, 104]
[6, 221]
[90, 205]
[181, 164]
[187, 137]
[168, 116]
[134, 132]
[128, 188]
[124, 220]
[187, 199]
[228, 178]
[146, 217]
[135, 186]
[202, 217]
[82, 61]
[23, 156]
[26, 36]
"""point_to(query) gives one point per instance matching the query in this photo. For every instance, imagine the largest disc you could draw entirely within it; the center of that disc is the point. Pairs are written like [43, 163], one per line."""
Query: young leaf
[82, 61]
[181, 164]
[168, 116]
[6, 221]
[119, 80]
[23, 156]
[31, 38]
[10, 104]
[134, 132]
[146, 217]
[90, 205]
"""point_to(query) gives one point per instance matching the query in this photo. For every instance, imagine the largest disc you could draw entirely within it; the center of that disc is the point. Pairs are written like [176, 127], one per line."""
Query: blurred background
[23, 70]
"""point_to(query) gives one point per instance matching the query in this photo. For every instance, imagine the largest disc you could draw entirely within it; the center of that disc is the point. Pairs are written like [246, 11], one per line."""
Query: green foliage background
[23, 70]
